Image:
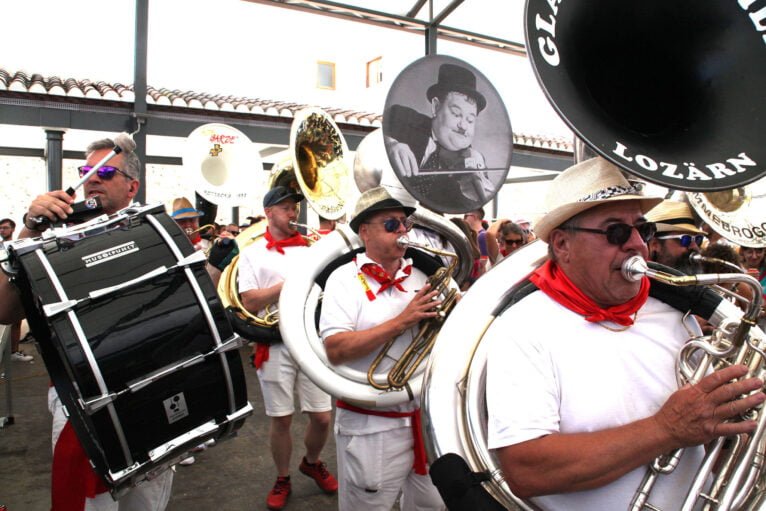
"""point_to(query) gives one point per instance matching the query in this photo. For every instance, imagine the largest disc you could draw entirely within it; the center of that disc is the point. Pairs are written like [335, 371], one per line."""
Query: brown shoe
[277, 498]
[319, 473]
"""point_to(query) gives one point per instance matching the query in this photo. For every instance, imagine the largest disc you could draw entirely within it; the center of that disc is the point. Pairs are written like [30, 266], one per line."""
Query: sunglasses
[235, 233]
[684, 239]
[392, 224]
[106, 172]
[514, 242]
[619, 234]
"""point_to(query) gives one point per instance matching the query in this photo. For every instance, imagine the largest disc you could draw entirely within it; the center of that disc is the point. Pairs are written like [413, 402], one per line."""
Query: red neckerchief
[554, 283]
[418, 446]
[504, 252]
[383, 278]
[296, 240]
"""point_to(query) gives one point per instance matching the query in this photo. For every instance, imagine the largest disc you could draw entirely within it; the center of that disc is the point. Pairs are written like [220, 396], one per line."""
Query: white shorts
[279, 376]
[373, 469]
[151, 495]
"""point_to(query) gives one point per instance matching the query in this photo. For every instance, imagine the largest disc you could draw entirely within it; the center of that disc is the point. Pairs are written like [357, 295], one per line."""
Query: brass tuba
[315, 164]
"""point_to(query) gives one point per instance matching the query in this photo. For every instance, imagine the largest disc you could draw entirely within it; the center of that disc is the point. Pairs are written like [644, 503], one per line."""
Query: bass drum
[135, 340]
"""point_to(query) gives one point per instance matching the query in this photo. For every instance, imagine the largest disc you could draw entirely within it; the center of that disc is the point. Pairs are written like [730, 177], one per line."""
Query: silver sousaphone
[668, 91]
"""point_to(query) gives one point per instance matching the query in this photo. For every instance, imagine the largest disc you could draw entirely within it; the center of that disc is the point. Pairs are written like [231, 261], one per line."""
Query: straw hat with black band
[372, 201]
[674, 216]
[584, 186]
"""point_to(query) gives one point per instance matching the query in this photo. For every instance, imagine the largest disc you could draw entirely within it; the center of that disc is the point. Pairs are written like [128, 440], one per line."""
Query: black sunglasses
[684, 239]
[514, 242]
[619, 234]
[392, 224]
[106, 172]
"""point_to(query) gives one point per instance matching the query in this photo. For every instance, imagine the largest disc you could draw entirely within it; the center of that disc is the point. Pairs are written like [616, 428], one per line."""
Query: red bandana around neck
[296, 240]
[554, 283]
[383, 278]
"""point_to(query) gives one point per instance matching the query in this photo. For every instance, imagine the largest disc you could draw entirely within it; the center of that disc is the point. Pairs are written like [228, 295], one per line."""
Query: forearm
[346, 346]
[562, 463]
[256, 300]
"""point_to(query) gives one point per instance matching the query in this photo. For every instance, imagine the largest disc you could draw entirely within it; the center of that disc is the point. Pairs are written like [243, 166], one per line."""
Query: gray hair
[132, 163]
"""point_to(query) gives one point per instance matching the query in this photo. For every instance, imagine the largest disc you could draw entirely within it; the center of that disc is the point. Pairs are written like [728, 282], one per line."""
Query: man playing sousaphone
[581, 377]
[368, 301]
[263, 267]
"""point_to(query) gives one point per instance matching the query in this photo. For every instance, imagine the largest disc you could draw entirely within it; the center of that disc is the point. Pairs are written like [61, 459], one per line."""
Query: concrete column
[54, 157]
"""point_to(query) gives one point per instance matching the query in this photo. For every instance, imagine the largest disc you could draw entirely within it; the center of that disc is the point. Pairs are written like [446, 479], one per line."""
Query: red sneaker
[319, 473]
[277, 498]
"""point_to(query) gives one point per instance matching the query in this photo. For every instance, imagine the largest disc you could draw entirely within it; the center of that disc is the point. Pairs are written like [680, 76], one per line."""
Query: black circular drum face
[447, 134]
[670, 91]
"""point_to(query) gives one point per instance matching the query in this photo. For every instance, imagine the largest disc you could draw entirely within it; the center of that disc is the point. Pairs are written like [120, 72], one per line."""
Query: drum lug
[192, 436]
[194, 258]
[232, 343]
[97, 404]
[241, 413]
[53, 309]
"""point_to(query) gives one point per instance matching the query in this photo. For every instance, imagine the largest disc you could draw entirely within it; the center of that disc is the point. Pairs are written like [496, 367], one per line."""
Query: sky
[252, 50]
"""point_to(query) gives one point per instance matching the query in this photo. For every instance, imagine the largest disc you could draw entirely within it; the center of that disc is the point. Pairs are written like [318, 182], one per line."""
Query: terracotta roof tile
[20, 81]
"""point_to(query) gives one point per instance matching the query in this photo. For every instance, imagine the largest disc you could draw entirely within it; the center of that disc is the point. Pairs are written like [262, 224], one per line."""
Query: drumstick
[122, 142]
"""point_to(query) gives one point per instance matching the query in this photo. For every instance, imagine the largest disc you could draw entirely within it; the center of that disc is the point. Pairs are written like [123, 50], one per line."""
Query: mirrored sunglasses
[392, 224]
[106, 172]
[684, 239]
[619, 234]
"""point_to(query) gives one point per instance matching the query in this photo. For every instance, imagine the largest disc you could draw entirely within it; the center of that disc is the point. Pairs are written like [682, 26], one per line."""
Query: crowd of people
[581, 448]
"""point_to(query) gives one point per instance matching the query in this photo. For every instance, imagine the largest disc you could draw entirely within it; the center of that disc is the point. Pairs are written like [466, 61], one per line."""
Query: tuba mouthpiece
[634, 268]
[403, 241]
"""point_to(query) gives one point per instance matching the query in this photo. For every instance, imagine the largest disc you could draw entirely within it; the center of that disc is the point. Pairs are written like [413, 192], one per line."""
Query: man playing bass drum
[581, 378]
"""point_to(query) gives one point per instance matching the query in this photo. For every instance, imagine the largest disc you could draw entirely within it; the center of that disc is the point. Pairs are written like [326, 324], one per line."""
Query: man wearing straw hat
[581, 378]
[677, 236]
[368, 301]
[263, 267]
[187, 217]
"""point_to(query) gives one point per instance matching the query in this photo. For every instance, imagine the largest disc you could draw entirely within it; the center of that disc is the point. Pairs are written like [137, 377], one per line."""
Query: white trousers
[148, 496]
[374, 469]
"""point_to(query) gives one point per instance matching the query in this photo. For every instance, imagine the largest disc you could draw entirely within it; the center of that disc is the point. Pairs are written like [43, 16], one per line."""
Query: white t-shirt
[346, 308]
[549, 371]
[260, 268]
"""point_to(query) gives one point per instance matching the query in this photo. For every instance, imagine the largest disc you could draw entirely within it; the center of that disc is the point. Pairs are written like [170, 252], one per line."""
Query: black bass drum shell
[132, 333]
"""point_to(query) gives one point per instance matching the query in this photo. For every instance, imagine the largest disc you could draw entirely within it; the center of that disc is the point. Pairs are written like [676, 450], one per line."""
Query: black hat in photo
[454, 78]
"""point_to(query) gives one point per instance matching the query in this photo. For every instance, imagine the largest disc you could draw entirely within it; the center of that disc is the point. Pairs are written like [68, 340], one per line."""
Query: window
[375, 72]
[326, 75]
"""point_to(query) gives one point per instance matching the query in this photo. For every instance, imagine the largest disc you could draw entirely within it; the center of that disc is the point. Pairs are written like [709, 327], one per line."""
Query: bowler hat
[583, 186]
[454, 78]
[373, 200]
[182, 208]
[278, 194]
